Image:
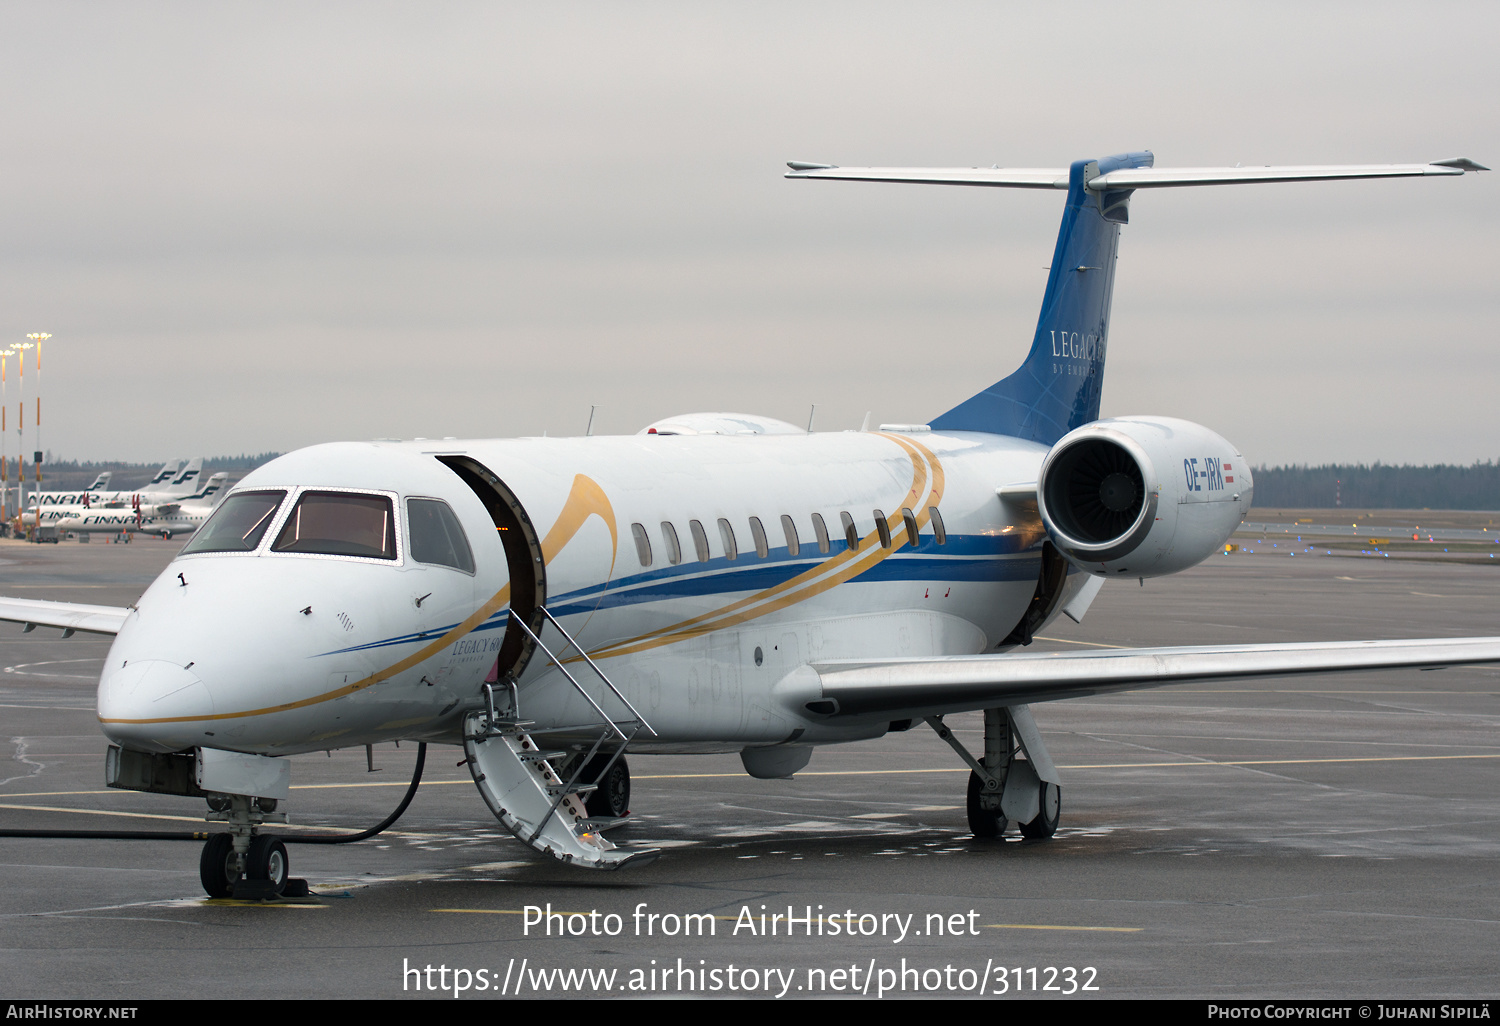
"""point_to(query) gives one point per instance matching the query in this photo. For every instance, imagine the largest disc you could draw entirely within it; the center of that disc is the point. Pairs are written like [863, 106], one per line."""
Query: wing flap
[70, 616]
[944, 684]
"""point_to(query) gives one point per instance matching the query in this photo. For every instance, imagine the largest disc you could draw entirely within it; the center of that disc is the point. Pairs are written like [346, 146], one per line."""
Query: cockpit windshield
[340, 524]
[238, 524]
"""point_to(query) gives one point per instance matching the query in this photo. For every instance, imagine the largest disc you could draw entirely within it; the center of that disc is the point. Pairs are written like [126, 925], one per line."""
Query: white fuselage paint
[279, 653]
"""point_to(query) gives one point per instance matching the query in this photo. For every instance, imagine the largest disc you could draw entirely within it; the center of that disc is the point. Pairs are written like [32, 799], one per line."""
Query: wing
[70, 616]
[901, 688]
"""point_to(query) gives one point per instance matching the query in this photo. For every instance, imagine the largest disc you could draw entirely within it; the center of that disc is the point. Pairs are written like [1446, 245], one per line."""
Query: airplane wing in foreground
[70, 616]
[900, 688]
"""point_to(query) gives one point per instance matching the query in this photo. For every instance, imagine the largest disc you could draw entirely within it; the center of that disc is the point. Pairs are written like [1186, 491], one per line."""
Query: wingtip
[1462, 163]
[802, 165]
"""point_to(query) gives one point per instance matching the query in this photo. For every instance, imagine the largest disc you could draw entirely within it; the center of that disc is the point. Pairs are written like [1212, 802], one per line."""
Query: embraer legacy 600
[715, 583]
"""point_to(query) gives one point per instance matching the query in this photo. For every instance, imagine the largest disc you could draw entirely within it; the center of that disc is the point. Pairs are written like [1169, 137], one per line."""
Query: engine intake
[1113, 500]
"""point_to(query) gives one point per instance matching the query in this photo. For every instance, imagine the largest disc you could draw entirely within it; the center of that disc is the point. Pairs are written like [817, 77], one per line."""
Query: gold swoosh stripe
[823, 577]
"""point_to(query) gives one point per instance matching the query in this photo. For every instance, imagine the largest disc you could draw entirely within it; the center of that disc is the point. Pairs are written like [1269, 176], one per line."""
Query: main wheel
[612, 798]
[218, 867]
[985, 818]
[266, 860]
[1045, 824]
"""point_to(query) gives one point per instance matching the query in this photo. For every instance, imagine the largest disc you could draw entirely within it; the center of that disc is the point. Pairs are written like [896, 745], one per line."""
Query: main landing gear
[611, 797]
[1014, 781]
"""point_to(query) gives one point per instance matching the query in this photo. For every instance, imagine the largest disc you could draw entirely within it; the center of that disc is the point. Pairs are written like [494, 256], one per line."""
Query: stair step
[533, 755]
[556, 789]
[605, 822]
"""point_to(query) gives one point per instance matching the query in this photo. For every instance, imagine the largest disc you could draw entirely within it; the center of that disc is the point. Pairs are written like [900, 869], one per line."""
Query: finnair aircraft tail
[101, 482]
[185, 481]
[163, 477]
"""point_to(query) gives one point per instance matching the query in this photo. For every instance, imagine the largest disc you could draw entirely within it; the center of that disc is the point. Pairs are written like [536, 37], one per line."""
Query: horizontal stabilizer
[70, 616]
[1129, 177]
[946, 684]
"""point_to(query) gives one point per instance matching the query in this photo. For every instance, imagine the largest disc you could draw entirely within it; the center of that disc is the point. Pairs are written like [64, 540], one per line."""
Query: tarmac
[1329, 837]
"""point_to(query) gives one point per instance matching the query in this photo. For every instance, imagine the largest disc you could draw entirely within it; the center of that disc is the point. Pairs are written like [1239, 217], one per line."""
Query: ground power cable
[203, 835]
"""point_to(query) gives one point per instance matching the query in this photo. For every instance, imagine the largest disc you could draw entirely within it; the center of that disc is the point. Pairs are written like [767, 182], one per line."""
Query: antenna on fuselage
[588, 431]
[810, 414]
[865, 426]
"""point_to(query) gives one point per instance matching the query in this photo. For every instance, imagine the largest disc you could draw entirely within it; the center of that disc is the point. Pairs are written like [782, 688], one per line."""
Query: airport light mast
[21, 348]
[4, 404]
[38, 337]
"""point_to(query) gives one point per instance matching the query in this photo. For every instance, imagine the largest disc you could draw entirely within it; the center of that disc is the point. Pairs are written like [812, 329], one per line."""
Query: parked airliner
[718, 582]
[115, 512]
[176, 518]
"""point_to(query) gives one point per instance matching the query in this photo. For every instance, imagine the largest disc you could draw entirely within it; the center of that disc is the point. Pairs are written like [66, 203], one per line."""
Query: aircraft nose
[152, 703]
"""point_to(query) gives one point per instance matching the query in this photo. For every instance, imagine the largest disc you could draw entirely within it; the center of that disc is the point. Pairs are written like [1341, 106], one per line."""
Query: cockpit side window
[437, 536]
[238, 524]
[340, 524]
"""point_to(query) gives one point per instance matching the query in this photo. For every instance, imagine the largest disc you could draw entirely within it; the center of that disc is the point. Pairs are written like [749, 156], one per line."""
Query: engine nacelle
[1142, 496]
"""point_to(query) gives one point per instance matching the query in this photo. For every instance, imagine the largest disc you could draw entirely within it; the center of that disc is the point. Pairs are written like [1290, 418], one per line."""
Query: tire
[216, 867]
[1045, 824]
[986, 824]
[612, 798]
[266, 860]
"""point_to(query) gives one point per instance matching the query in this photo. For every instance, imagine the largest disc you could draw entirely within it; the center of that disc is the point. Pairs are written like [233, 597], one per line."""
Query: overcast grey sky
[261, 226]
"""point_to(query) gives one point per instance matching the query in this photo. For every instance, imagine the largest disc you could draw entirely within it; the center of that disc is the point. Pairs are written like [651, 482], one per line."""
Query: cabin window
[669, 539]
[938, 530]
[726, 535]
[913, 538]
[436, 535]
[883, 528]
[642, 544]
[759, 534]
[700, 540]
[238, 524]
[789, 528]
[851, 533]
[821, 530]
[340, 524]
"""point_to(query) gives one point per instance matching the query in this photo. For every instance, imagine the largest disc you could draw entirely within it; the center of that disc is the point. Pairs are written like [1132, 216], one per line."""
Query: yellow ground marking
[824, 773]
[102, 812]
[241, 903]
[816, 919]
[1091, 644]
[142, 815]
[1029, 926]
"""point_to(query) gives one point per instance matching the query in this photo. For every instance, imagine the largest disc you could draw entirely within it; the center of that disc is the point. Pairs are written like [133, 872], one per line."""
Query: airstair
[521, 782]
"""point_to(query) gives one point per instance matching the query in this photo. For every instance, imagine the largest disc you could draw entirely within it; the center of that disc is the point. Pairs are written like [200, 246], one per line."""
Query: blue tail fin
[1057, 388]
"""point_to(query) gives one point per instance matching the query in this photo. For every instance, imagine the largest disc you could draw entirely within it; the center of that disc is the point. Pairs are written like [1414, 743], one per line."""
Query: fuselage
[696, 571]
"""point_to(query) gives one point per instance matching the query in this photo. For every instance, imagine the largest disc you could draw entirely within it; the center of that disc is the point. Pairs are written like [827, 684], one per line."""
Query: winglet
[1462, 163]
[802, 165]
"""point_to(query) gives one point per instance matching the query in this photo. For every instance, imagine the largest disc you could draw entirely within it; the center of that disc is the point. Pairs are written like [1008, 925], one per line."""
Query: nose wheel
[221, 868]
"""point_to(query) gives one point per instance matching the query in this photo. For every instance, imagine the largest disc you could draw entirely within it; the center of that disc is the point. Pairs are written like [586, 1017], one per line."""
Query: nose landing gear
[242, 862]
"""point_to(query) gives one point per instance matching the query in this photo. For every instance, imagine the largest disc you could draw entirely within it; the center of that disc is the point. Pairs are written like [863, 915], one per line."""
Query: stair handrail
[595, 667]
[558, 663]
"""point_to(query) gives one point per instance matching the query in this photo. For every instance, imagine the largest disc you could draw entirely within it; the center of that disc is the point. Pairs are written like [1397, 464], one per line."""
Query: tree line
[1379, 486]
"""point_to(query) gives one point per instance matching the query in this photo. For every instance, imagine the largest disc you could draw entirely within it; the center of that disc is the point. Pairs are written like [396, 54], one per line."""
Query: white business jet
[716, 583]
